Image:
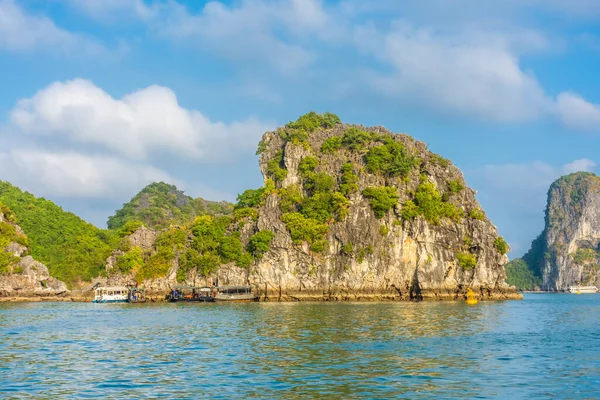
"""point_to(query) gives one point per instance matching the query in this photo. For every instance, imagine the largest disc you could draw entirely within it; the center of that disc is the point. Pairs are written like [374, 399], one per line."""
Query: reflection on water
[546, 345]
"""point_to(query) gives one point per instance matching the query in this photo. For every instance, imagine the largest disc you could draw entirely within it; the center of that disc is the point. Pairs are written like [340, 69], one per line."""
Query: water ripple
[544, 346]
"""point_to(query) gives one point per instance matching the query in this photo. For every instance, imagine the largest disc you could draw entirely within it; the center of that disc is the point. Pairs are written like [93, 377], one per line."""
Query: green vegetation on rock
[131, 261]
[585, 256]
[390, 159]
[302, 228]
[159, 205]
[8, 235]
[455, 186]
[212, 244]
[319, 182]
[575, 186]
[477, 214]
[348, 180]
[260, 243]
[382, 199]
[331, 145]
[298, 131]
[307, 165]
[291, 198]
[501, 245]
[71, 248]
[429, 203]
[356, 139]
[520, 275]
[250, 198]
[274, 167]
[466, 260]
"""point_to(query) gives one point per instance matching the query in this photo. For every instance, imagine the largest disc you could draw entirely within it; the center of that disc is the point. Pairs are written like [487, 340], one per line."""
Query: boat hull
[583, 289]
[193, 300]
[109, 301]
[236, 299]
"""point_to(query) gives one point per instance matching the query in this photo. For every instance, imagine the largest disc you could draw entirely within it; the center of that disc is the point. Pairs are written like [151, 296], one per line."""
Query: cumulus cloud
[20, 31]
[251, 30]
[143, 122]
[469, 76]
[576, 113]
[70, 174]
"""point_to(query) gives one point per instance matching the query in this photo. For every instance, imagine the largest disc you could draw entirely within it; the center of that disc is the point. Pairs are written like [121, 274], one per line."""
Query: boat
[583, 289]
[235, 294]
[136, 295]
[110, 294]
[191, 294]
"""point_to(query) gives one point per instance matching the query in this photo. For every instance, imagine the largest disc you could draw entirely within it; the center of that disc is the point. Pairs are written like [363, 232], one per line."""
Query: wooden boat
[235, 294]
[190, 294]
[136, 295]
[110, 294]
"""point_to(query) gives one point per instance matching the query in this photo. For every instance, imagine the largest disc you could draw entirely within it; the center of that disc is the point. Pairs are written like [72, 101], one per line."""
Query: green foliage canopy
[71, 248]
[390, 159]
[429, 203]
[274, 167]
[260, 243]
[520, 275]
[159, 205]
[466, 260]
[501, 245]
[382, 199]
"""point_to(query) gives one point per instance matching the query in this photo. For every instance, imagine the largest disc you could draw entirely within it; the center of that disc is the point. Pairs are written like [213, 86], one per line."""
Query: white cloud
[20, 31]
[474, 73]
[252, 30]
[70, 174]
[576, 113]
[582, 164]
[146, 121]
[112, 9]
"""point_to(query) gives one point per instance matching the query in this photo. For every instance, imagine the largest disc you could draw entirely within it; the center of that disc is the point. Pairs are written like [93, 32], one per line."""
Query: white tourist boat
[111, 294]
[583, 289]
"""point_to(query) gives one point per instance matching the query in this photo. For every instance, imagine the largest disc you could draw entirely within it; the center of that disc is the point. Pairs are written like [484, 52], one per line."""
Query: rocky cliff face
[433, 242]
[346, 212]
[567, 251]
[20, 274]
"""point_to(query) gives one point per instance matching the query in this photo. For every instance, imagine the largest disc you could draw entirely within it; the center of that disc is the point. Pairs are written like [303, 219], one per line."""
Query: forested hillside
[71, 248]
[160, 205]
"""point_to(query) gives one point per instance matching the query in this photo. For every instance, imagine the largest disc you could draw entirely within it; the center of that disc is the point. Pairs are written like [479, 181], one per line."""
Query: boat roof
[112, 288]
[235, 287]
[190, 287]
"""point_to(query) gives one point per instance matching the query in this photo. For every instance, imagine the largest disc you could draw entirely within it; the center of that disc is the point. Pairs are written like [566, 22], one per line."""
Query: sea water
[545, 346]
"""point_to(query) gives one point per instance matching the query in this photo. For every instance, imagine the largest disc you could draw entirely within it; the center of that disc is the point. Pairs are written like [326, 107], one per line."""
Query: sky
[98, 98]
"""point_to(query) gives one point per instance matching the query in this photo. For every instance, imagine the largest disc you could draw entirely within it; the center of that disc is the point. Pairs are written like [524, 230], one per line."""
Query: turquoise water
[547, 345]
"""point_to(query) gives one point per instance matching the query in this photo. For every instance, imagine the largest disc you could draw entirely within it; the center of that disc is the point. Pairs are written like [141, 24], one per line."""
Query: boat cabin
[235, 293]
[190, 293]
[136, 295]
[111, 294]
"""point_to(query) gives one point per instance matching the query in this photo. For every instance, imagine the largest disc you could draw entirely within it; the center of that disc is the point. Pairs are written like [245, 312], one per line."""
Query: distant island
[566, 253]
[346, 213]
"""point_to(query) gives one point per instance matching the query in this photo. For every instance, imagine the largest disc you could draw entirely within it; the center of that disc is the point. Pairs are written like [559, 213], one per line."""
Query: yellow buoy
[471, 299]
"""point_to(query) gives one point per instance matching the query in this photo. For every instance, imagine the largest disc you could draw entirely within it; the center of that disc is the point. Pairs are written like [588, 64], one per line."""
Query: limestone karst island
[345, 213]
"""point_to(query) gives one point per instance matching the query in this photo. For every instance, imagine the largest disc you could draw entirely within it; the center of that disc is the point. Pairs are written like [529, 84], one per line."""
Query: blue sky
[100, 97]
